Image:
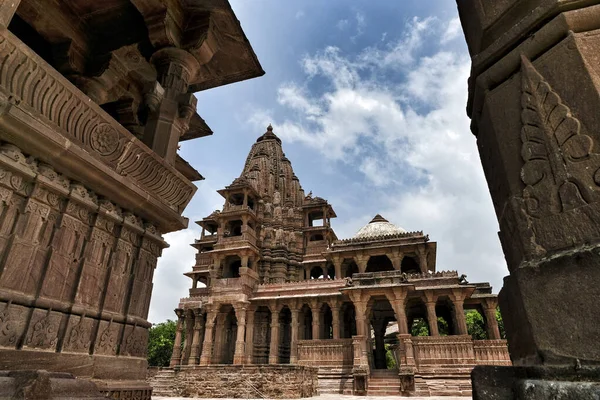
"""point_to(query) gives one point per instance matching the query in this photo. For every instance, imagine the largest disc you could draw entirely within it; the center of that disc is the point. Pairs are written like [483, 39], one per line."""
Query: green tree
[160, 343]
[390, 361]
[475, 325]
[419, 327]
[500, 323]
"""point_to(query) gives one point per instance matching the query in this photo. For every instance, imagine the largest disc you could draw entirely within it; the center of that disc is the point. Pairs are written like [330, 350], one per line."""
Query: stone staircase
[335, 380]
[162, 383]
[384, 382]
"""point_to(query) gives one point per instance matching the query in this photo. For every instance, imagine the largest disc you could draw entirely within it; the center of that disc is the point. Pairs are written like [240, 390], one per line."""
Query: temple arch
[409, 265]
[305, 323]
[350, 268]
[446, 322]
[416, 317]
[326, 322]
[348, 314]
[379, 264]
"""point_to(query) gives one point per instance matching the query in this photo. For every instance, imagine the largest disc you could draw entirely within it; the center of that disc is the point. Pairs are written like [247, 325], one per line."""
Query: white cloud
[408, 136]
[453, 30]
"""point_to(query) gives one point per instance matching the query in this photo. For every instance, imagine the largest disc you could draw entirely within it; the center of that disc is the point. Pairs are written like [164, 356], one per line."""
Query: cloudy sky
[369, 99]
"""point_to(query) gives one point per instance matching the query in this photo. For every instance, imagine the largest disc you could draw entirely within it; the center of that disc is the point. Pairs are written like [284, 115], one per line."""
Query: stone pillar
[240, 348]
[189, 335]
[207, 346]
[274, 346]
[316, 320]
[432, 319]
[294, 340]
[361, 359]
[361, 262]
[198, 327]
[491, 323]
[173, 107]
[459, 316]
[335, 314]
[250, 336]
[220, 332]
[176, 356]
[337, 265]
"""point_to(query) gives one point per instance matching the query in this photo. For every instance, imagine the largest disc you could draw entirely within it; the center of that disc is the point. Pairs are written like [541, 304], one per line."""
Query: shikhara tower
[280, 288]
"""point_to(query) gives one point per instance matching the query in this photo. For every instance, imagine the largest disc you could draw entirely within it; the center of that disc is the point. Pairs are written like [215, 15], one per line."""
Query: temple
[95, 98]
[273, 285]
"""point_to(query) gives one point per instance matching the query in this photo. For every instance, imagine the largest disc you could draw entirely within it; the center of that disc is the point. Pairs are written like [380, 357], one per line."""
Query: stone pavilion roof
[378, 227]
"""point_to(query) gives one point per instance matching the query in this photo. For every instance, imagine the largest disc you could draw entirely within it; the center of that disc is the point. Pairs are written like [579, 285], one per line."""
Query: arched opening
[445, 320]
[315, 218]
[379, 264]
[331, 272]
[326, 322]
[233, 228]
[316, 272]
[350, 268]
[227, 334]
[476, 323]
[416, 317]
[285, 335]
[382, 314]
[305, 325]
[410, 266]
[262, 335]
[348, 314]
[316, 237]
[236, 199]
[232, 266]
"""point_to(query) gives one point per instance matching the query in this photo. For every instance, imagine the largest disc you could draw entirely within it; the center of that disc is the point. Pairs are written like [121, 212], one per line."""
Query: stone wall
[245, 381]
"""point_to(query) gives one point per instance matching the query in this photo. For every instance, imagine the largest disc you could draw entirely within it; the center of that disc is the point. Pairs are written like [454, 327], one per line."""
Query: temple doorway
[228, 325]
[382, 319]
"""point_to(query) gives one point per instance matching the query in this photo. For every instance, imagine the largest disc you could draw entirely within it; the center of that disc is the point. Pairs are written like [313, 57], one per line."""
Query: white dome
[378, 226]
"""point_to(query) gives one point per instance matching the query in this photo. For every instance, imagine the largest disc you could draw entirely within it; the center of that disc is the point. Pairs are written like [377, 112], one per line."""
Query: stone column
[459, 316]
[207, 346]
[432, 319]
[198, 327]
[361, 358]
[240, 348]
[397, 299]
[533, 101]
[274, 346]
[220, 332]
[361, 263]
[337, 265]
[250, 336]
[189, 334]
[316, 320]
[176, 356]
[294, 340]
[335, 314]
[491, 323]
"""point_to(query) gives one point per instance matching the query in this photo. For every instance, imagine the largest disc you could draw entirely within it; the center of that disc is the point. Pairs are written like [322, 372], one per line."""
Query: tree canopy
[160, 343]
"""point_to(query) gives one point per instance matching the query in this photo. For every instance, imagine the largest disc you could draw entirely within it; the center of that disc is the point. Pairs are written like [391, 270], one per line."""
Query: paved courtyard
[342, 397]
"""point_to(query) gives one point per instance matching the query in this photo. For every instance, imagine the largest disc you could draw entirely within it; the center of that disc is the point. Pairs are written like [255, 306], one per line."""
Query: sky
[369, 99]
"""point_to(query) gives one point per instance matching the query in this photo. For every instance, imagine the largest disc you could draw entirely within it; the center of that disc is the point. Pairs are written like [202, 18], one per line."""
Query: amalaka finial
[269, 128]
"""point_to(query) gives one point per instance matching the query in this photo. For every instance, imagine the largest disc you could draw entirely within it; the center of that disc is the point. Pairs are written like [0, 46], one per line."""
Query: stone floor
[339, 396]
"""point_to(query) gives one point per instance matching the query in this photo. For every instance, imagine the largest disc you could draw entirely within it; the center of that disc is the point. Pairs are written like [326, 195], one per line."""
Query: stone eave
[406, 235]
[187, 170]
[198, 128]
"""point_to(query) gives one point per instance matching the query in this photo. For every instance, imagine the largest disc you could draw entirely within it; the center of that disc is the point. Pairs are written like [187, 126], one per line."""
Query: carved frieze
[106, 342]
[43, 330]
[12, 324]
[79, 331]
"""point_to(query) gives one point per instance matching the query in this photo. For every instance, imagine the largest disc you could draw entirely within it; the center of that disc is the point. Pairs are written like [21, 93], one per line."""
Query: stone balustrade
[491, 352]
[326, 353]
[230, 208]
[443, 350]
[314, 249]
[398, 277]
[198, 292]
[203, 259]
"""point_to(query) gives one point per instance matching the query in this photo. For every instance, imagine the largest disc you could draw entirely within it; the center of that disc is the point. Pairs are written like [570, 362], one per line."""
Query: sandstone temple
[95, 97]
[273, 287]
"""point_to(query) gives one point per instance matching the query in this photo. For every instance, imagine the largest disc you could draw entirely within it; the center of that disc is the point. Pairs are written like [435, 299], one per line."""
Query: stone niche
[245, 381]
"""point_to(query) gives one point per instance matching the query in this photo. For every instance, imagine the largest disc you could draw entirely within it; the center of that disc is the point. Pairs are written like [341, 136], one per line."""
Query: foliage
[443, 328]
[419, 327]
[500, 324]
[475, 325]
[160, 343]
[390, 361]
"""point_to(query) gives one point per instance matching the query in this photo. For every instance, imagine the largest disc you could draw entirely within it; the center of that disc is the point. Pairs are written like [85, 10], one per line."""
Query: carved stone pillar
[335, 313]
[337, 265]
[533, 105]
[171, 106]
[219, 337]
[207, 346]
[316, 320]
[459, 316]
[491, 323]
[361, 262]
[240, 348]
[250, 336]
[432, 319]
[294, 340]
[397, 299]
[274, 346]
[189, 334]
[198, 328]
[176, 356]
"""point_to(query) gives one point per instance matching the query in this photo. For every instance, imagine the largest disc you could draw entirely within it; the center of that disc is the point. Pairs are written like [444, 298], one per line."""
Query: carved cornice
[37, 88]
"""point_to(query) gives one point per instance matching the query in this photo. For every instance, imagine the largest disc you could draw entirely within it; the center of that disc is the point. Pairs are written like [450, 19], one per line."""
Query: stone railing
[207, 238]
[248, 236]
[326, 353]
[203, 259]
[491, 352]
[443, 350]
[199, 292]
[36, 87]
[316, 248]
[241, 207]
[248, 280]
[398, 277]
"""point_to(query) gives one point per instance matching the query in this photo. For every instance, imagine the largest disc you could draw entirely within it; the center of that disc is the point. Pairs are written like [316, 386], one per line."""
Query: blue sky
[369, 99]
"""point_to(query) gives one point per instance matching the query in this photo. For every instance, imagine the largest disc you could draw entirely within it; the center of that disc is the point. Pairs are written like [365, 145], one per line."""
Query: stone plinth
[44, 385]
[244, 381]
